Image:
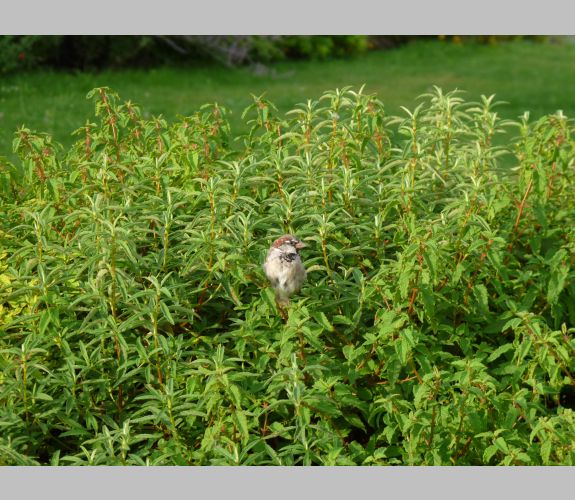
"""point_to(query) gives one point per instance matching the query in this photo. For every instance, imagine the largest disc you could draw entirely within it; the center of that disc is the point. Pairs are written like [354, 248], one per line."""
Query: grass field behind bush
[436, 325]
[526, 75]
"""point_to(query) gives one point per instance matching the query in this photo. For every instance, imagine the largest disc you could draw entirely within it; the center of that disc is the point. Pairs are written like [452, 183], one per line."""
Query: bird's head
[288, 239]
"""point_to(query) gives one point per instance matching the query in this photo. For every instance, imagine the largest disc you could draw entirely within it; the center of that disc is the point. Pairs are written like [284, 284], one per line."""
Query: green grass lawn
[528, 75]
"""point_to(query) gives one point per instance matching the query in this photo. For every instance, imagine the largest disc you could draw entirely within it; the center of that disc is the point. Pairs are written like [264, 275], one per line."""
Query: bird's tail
[282, 298]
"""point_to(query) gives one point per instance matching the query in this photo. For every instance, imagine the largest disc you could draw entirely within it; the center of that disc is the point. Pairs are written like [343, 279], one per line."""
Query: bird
[284, 269]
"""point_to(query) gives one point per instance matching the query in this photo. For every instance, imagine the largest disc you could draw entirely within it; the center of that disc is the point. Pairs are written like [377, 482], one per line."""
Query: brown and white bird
[284, 268]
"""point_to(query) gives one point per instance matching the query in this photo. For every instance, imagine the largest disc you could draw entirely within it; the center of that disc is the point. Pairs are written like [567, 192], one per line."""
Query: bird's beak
[300, 245]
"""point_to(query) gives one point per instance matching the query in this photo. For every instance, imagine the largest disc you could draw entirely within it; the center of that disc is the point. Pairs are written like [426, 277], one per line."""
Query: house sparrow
[284, 268]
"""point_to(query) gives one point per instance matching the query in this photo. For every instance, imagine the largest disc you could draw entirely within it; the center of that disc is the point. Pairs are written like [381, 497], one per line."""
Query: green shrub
[82, 52]
[29, 52]
[25, 52]
[323, 46]
[436, 325]
[18, 53]
[95, 52]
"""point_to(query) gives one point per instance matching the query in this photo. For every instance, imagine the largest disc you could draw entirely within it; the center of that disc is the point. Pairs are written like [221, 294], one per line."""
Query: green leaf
[457, 274]
[45, 318]
[404, 345]
[546, 448]
[499, 351]
[482, 298]
[524, 349]
[428, 299]
[354, 420]
[167, 313]
[403, 282]
[556, 283]
[489, 452]
[235, 394]
[430, 258]
[323, 406]
[348, 352]
[501, 445]
[242, 425]
[321, 318]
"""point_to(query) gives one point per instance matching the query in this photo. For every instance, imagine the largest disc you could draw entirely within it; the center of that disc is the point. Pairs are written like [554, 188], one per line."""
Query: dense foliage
[436, 325]
[26, 52]
[82, 52]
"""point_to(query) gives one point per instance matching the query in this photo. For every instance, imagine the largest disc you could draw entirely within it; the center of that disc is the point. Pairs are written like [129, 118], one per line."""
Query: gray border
[288, 17]
[284, 482]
